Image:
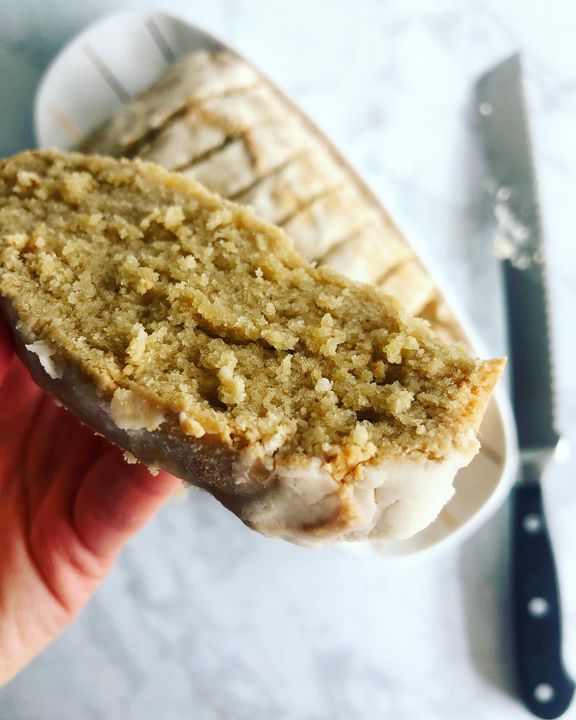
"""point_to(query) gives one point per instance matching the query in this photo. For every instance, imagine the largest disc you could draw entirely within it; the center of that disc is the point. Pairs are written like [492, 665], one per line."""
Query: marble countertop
[204, 619]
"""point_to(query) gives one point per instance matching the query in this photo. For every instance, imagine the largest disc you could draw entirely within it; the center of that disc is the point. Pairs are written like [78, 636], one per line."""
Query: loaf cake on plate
[215, 119]
[192, 334]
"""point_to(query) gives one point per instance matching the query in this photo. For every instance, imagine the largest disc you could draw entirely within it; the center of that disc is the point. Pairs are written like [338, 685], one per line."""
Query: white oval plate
[117, 57]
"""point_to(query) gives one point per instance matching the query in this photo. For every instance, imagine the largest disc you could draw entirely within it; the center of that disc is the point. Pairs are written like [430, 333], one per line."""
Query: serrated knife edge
[503, 123]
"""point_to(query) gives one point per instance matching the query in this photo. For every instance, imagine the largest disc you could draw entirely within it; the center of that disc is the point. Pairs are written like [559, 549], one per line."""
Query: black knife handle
[544, 686]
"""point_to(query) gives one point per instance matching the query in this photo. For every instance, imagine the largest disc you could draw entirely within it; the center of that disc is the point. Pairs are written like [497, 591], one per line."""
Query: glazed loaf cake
[191, 333]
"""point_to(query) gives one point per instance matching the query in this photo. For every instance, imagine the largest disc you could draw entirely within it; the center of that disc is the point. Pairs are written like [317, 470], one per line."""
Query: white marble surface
[203, 619]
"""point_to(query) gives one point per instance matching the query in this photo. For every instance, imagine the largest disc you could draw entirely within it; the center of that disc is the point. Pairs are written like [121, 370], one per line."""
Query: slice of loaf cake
[192, 334]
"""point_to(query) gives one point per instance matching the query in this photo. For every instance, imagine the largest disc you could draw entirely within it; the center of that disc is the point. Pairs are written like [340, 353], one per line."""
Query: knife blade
[542, 681]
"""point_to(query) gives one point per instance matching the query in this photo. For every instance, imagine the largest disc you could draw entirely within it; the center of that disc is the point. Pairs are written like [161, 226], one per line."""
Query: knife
[542, 681]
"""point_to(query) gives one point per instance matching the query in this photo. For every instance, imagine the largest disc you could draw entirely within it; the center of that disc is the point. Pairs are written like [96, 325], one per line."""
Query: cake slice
[410, 283]
[292, 187]
[191, 333]
[328, 220]
[243, 161]
[181, 142]
[368, 255]
[206, 125]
